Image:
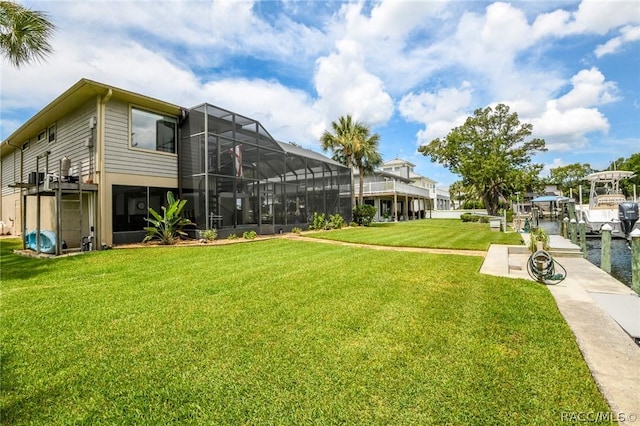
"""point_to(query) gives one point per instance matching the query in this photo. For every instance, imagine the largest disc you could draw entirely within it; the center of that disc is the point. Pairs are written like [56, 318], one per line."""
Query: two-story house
[398, 193]
[90, 164]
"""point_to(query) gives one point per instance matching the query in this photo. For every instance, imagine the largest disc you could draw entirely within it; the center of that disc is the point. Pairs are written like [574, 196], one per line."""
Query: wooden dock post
[605, 250]
[635, 260]
[572, 230]
[565, 227]
[583, 237]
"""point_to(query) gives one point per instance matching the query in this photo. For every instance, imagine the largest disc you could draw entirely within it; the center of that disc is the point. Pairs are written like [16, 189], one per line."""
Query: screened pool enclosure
[234, 175]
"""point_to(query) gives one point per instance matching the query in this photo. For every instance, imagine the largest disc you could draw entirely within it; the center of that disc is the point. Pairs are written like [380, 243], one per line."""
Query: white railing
[442, 193]
[373, 188]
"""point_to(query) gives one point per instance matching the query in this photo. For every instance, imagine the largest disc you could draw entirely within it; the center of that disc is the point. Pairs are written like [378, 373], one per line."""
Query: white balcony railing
[374, 188]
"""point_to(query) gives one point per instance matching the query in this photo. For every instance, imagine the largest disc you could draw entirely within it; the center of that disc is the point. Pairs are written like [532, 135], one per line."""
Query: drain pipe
[99, 147]
[22, 195]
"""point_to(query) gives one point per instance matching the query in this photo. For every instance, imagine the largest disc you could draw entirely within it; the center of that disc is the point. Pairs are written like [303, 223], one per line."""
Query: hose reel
[544, 269]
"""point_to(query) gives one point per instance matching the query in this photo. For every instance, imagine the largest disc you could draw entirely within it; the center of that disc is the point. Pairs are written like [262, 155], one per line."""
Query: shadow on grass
[16, 267]
[18, 407]
[382, 224]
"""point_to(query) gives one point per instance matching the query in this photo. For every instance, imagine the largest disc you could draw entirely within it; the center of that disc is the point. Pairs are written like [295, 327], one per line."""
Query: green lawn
[281, 332]
[427, 233]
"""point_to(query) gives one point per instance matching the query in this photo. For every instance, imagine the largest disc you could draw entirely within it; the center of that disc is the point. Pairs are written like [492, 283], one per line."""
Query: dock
[602, 312]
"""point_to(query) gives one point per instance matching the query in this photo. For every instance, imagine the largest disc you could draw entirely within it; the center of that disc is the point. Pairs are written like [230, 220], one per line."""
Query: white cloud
[439, 112]
[600, 17]
[591, 17]
[505, 29]
[202, 33]
[566, 130]
[589, 89]
[386, 37]
[344, 86]
[288, 115]
[628, 34]
[564, 123]
[550, 24]
[568, 120]
[358, 56]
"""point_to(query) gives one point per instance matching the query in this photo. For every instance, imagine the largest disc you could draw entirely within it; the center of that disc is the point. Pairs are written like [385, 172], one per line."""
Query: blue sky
[412, 70]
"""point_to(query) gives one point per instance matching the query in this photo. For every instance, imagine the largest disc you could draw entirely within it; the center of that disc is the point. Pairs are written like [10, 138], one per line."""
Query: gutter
[100, 167]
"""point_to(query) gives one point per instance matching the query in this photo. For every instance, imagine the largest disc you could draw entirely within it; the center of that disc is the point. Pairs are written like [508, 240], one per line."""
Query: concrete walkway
[603, 314]
[388, 248]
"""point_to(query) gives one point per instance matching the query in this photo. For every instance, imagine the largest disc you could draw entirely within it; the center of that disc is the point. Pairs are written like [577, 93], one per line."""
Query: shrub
[536, 235]
[364, 214]
[167, 227]
[472, 204]
[336, 222]
[209, 235]
[296, 230]
[353, 224]
[232, 237]
[249, 235]
[466, 217]
[319, 221]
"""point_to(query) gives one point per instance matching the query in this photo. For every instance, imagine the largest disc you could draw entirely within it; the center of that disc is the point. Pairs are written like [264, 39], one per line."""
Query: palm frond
[24, 34]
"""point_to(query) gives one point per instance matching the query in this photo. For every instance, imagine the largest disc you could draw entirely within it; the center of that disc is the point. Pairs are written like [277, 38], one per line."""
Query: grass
[427, 233]
[281, 332]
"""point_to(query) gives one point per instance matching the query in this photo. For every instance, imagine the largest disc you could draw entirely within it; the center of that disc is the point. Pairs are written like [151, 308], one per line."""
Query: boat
[605, 198]
[47, 241]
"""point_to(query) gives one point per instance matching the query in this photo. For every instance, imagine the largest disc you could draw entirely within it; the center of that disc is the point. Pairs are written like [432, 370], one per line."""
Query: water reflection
[620, 252]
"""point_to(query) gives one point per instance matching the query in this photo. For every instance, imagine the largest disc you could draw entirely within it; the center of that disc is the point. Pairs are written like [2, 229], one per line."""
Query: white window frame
[54, 132]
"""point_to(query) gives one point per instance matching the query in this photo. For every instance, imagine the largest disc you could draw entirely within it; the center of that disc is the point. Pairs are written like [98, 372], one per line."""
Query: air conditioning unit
[36, 178]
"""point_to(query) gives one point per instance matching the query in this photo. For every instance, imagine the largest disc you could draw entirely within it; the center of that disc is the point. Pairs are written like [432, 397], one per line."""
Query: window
[153, 131]
[52, 133]
[25, 146]
[42, 135]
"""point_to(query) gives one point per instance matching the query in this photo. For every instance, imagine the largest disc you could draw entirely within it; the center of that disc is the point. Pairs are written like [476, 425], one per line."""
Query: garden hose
[542, 268]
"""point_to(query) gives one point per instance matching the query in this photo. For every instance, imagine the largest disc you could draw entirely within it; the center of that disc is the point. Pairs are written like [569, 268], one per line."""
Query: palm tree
[367, 158]
[24, 34]
[344, 142]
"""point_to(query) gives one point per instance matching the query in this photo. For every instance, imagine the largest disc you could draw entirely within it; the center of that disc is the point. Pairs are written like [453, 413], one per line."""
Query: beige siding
[11, 216]
[120, 158]
[72, 132]
[10, 172]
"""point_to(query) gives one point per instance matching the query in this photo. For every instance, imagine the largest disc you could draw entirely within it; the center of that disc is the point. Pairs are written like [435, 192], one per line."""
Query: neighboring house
[90, 164]
[398, 193]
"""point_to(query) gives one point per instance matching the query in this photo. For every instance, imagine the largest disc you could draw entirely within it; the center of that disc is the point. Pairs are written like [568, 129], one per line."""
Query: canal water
[620, 252]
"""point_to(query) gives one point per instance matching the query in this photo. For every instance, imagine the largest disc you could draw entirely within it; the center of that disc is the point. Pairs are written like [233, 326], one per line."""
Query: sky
[411, 70]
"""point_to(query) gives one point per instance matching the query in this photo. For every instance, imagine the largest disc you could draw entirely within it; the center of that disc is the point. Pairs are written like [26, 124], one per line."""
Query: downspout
[23, 216]
[100, 179]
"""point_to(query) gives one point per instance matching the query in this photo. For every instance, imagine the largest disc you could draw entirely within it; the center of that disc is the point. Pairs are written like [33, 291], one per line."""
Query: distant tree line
[569, 178]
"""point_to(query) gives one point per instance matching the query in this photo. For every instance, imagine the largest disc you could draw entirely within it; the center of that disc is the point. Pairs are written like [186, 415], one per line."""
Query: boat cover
[47, 241]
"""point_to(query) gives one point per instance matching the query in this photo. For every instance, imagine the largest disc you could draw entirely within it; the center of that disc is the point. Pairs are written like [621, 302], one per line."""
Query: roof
[549, 198]
[74, 97]
[390, 175]
[304, 152]
[609, 176]
[413, 175]
[397, 161]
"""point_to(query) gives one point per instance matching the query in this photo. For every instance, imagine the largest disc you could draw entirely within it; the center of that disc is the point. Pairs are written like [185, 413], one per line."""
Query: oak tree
[491, 152]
